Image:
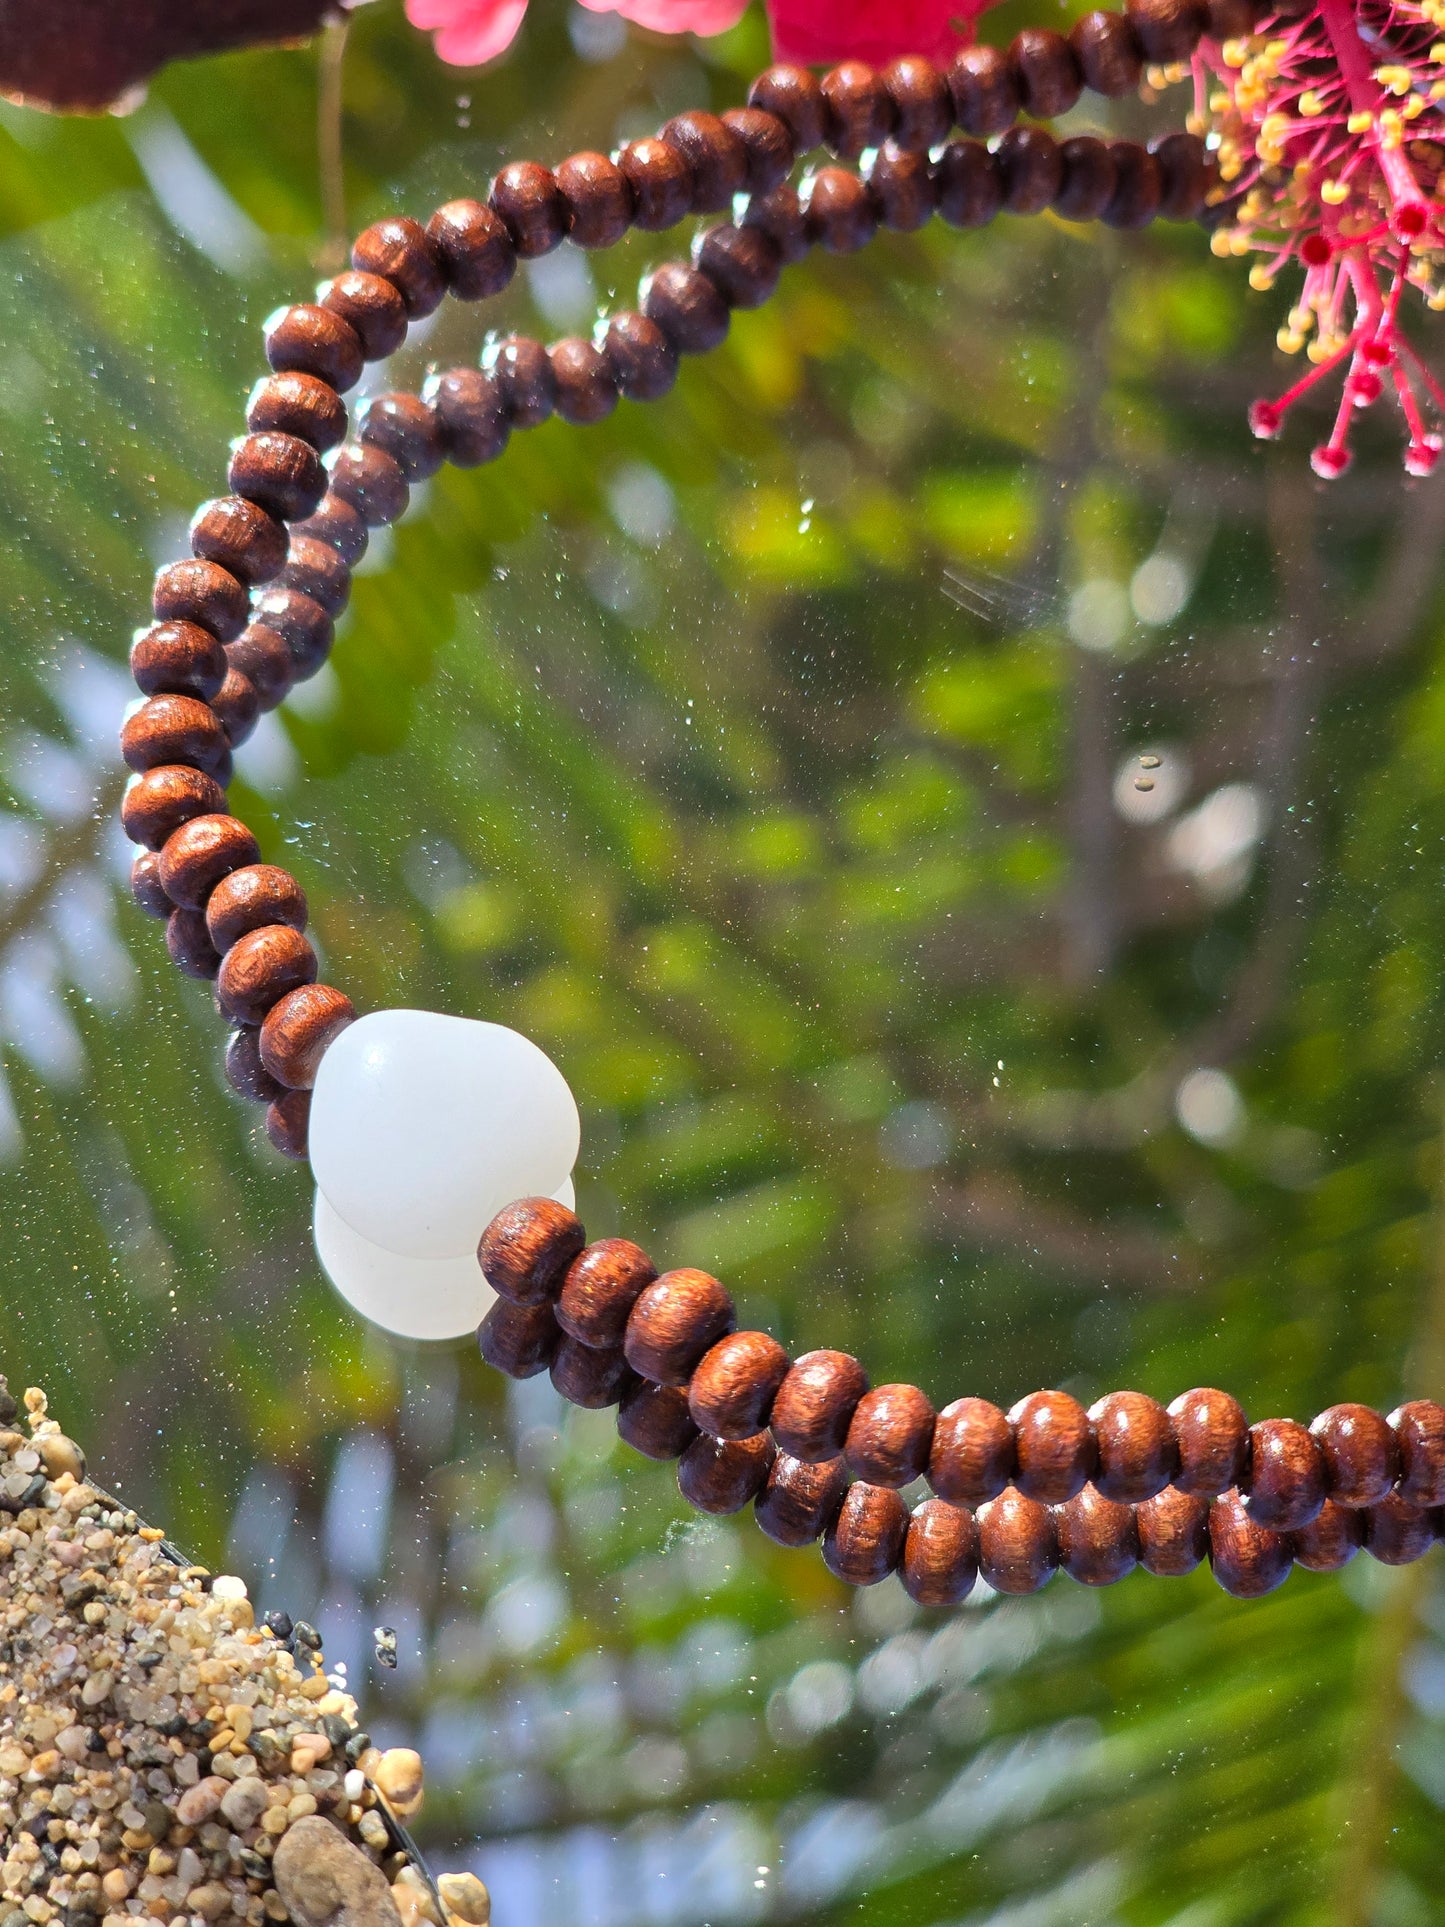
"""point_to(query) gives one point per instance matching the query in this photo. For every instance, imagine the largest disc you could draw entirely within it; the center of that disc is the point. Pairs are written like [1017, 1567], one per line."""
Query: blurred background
[773, 756]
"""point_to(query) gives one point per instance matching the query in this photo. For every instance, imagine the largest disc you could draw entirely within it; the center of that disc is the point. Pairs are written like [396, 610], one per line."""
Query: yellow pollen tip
[1291, 343]
[1335, 193]
[1359, 123]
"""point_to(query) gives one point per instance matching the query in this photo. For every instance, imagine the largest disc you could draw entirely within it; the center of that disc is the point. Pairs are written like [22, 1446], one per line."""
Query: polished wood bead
[800, 1500]
[317, 570]
[865, 1541]
[191, 949]
[1050, 78]
[1173, 1531]
[303, 625]
[1135, 1444]
[922, 108]
[1030, 168]
[260, 968]
[715, 155]
[241, 537]
[972, 1455]
[264, 659]
[474, 249]
[940, 1554]
[287, 1120]
[903, 187]
[471, 414]
[247, 1076]
[767, 143]
[985, 90]
[298, 1030]
[1248, 1559]
[598, 198]
[661, 183]
[642, 359]
[337, 524]
[1017, 1545]
[890, 1435]
[795, 96]
[1186, 174]
[1231, 19]
[686, 306]
[859, 111]
[742, 264]
[1097, 1540]
[177, 659]
[1396, 1533]
[250, 898]
[400, 250]
[520, 1340]
[311, 340]
[523, 372]
[527, 197]
[602, 1285]
[299, 405]
[1419, 1428]
[674, 1321]
[1287, 1483]
[157, 803]
[1362, 1460]
[1087, 178]
[201, 592]
[195, 857]
[371, 307]
[1109, 55]
[815, 1403]
[406, 428]
[838, 211]
[970, 186]
[1167, 30]
[176, 729]
[371, 481]
[237, 706]
[654, 1420]
[1212, 1434]
[526, 1249]
[733, 1385]
[591, 1378]
[586, 387]
[146, 887]
[1054, 1443]
[1331, 1540]
[721, 1475]
[780, 216]
[1138, 187]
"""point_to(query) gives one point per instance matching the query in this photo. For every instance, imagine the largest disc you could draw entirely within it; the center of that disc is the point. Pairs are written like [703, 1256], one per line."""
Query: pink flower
[675, 16]
[820, 32]
[468, 32]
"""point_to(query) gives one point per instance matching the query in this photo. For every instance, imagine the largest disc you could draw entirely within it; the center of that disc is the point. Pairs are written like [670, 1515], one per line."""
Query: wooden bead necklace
[821, 1454]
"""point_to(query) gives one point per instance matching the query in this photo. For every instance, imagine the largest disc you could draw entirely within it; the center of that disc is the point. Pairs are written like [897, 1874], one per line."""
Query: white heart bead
[423, 1126]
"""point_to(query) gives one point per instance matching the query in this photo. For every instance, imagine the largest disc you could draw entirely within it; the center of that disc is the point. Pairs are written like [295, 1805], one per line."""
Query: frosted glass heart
[423, 1126]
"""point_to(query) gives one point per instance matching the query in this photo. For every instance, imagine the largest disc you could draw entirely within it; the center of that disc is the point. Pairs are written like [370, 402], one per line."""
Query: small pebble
[466, 1897]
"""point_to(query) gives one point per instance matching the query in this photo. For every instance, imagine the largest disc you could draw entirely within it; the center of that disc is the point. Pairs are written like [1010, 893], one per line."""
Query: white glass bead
[423, 1126]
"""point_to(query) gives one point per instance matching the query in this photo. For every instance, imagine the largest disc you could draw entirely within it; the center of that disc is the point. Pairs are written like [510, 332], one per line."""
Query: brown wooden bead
[197, 855]
[337, 524]
[985, 90]
[371, 307]
[1419, 1429]
[591, 1378]
[972, 1456]
[1098, 1543]
[177, 659]
[838, 211]
[298, 1030]
[661, 183]
[598, 200]
[287, 1120]
[1362, 1460]
[201, 592]
[1173, 1530]
[1138, 187]
[527, 197]
[716, 157]
[655, 1421]
[1231, 19]
[1212, 1434]
[903, 188]
[1054, 1443]
[471, 414]
[721, 1475]
[264, 659]
[279, 473]
[260, 968]
[686, 306]
[400, 250]
[780, 216]
[922, 108]
[674, 1321]
[156, 804]
[522, 370]
[1167, 30]
[889, 1439]
[303, 625]
[1135, 1443]
[1030, 168]
[815, 1403]
[146, 886]
[1109, 55]
[970, 187]
[742, 264]
[371, 481]
[1248, 1559]
[602, 1285]
[299, 405]
[474, 249]
[767, 143]
[1017, 1546]
[247, 1076]
[191, 950]
[317, 570]
[239, 536]
[1049, 76]
[865, 1541]
[520, 1340]
[800, 1500]
[311, 340]
[176, 729]
[526, 1249]
[731, 1391]
[795, 95]
[642, 359]
[586, 386]
[859, 112]
[249, 899]
[237, 706]
[406, 428]
[1186, 174]
[1331, 1540]
[1397, 1534]
[940, 1554]
[1087, 178]
[1286, 1475]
